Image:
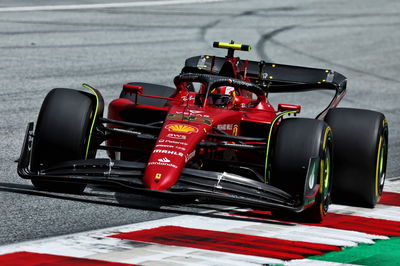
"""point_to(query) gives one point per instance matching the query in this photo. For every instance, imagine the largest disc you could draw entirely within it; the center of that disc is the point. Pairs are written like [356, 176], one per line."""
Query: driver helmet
[227, 90]
[222, 96]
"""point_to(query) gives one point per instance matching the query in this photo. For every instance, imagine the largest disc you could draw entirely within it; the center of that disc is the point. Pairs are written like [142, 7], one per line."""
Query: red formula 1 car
[215, 138]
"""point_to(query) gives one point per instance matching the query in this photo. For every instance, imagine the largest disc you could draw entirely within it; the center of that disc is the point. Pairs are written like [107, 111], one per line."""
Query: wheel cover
[326, 189]
[381, 166]
[325, 173]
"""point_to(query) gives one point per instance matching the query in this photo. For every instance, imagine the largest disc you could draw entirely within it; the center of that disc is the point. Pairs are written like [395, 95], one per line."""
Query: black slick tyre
[297, 141]
[61, 134]
[361, 146]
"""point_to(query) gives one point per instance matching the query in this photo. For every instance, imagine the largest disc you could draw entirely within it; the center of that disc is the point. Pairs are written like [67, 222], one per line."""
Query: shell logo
[182, 128]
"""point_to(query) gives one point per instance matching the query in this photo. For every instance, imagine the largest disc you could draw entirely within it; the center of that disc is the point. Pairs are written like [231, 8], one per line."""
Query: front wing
[200, 185]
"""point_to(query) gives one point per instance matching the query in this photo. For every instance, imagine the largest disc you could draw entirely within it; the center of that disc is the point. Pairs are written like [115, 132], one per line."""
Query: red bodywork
[214, 136]
[186, 124]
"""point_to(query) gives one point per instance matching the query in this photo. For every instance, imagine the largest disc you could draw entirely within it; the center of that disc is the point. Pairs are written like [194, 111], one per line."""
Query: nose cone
[164, 167]
[157, 179]
[175, 146]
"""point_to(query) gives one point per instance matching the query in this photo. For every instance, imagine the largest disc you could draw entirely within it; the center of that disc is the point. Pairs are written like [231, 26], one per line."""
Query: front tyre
[297, 142]
[62, 133]
[361, 146]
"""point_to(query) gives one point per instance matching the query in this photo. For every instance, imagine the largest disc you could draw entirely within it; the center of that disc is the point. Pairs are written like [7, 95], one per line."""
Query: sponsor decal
[30, 140]
[171, 142]
[176, 136]
[193, 112]
[190, 156]
[188, 129]
[170, 146]
[186, 98]
[202, 63]
[176, 153]
[235, 130]
[164, 146]
[191, 118]
[225, 127]
[163, 164]
[177, 142]
[164, 160]
[180, 148]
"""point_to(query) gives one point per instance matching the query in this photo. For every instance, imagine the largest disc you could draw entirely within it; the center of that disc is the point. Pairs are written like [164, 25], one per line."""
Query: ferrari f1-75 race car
[214, 137]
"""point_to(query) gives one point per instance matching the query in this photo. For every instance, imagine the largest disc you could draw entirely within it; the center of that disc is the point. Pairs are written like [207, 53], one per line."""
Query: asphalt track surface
[109, 46]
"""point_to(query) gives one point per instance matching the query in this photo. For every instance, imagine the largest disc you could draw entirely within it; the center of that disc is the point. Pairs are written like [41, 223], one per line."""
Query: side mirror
[288, 107]
[130, 88]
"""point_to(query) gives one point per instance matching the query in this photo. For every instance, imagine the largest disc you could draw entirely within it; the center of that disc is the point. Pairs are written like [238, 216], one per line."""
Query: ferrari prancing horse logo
[157, 177]
[182, 128]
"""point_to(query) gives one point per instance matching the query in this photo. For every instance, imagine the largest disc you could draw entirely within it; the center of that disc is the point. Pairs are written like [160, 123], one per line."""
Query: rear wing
[273, 78]
[270, 74]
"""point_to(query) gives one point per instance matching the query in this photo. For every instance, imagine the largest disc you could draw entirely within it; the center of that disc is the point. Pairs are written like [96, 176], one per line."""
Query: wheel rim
[326, 172]
[381, 166]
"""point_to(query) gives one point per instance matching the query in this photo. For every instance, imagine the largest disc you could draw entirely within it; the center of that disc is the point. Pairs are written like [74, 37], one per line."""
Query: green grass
[383, 252]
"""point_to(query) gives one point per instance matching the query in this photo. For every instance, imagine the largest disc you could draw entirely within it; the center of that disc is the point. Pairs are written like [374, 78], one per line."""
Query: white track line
[107, 5]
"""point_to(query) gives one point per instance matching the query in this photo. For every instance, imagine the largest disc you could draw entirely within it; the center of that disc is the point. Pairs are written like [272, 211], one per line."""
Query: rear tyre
[62, 134]
[299, 140]
[361, 146]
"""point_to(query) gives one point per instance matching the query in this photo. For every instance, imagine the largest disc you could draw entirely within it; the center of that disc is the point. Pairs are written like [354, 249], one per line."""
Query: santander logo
[164, 160]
